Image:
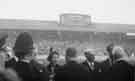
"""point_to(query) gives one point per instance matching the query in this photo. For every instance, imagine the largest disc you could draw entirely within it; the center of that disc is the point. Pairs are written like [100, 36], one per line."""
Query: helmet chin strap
[28, 58]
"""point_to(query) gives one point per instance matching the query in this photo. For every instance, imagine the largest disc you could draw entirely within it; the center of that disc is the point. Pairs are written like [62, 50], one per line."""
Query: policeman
[26, 67]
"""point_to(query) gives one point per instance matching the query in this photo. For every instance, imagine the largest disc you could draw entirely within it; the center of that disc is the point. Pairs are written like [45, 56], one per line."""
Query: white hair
[119, 51]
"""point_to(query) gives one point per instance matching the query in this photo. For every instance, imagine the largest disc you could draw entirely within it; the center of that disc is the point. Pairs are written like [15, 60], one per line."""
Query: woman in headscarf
[53, 64]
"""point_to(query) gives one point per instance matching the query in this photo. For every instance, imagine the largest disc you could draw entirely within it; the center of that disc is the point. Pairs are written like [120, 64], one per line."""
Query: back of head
[23, 44]
[118, 52]
[71, 53]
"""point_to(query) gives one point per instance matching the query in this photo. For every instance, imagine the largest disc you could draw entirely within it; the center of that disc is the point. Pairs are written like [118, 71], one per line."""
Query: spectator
[96, 69]
[2, 57]
[89, 63]
[121, 70]
[53, 65]
[12, 59]
[109, 49]
[53, 59]
[71, 71]
[6, 74]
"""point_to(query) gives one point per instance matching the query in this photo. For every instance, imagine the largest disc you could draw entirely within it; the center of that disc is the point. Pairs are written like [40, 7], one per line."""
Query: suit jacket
[88, 67]
[71, 71]
[30, 71]
[120, 71]
[51, 65]
[52, 71]
[103, 66]
[99, 70]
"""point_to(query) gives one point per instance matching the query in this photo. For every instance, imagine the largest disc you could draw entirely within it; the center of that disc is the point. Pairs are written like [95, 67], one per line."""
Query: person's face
[90, 57]
[110, 51]
[110, 48]
[55, 58]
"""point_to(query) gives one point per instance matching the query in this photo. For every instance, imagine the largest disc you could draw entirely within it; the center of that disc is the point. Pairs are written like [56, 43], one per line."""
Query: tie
[91, 65]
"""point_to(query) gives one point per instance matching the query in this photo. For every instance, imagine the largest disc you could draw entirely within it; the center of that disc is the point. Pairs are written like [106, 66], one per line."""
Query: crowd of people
[21, 64]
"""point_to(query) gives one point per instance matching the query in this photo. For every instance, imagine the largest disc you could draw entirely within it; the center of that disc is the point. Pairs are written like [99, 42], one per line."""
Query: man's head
[71, 54]
[109, 49]
[118, 52]
[23, 45]
[89, 54]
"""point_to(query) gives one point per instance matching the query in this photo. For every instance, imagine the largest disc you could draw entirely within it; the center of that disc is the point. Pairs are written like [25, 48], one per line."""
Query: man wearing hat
[26, 67]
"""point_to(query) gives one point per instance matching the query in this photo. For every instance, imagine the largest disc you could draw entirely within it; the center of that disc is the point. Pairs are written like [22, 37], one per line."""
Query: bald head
[89, 54]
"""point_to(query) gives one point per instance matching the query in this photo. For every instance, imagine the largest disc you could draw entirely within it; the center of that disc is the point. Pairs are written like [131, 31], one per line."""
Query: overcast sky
[112, 11]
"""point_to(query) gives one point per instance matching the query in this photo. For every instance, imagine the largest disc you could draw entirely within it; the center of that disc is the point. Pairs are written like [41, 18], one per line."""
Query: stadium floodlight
[130, 34]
